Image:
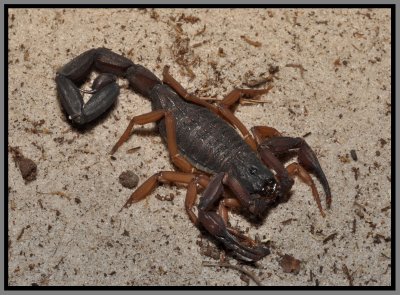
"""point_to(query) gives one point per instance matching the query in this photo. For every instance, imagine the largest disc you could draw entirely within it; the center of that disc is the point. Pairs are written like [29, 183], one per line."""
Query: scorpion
[215, 153]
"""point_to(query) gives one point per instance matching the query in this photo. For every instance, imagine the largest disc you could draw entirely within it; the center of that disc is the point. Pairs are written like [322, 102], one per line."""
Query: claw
[242, 247]
[72, 100]
[216, 226]
[308, 160]
[274, 146]
[70, 97]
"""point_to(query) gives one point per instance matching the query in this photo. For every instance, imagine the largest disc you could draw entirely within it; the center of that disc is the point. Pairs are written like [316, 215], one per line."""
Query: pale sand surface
[76, 236]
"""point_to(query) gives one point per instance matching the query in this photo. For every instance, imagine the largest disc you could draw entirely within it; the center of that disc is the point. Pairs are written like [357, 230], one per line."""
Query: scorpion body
[202, 141]
[196, 131]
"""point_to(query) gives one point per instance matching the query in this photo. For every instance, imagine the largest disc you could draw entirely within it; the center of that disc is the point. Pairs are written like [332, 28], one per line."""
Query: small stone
[290, 264]
[129, 179]
[28, 169]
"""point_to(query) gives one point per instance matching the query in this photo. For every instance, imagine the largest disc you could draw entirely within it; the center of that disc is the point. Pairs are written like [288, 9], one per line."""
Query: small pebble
[129, 179]
[28, 169]
[290, 264]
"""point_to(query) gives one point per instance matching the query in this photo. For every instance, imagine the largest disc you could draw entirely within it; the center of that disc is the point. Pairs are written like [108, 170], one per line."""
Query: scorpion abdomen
[208, 142]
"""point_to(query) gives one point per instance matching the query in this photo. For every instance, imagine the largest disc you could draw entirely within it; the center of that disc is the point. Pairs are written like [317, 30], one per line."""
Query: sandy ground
[64, 226]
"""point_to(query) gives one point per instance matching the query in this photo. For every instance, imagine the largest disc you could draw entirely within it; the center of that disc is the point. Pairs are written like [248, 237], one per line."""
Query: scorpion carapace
[234, 170]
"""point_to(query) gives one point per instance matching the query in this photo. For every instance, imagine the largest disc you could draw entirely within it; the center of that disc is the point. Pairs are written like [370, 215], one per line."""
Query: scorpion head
[264, 198]
[260, 184]
[272, 191]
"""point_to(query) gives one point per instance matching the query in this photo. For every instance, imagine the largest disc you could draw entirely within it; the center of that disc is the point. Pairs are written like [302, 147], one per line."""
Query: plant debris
[58, 193]
[348, 275]
[132, 150]
[288, 221]
[250, 274]
[353, 155]
[328, 238]
[251, 42]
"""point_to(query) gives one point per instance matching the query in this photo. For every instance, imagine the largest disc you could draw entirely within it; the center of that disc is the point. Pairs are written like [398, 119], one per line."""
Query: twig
[251, 42]
[250, 274]
[59, 193]
[348, 275]
[328, 238]
[241, 101]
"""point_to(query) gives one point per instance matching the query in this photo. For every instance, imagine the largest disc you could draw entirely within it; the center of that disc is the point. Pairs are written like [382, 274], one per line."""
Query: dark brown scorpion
[233, 169]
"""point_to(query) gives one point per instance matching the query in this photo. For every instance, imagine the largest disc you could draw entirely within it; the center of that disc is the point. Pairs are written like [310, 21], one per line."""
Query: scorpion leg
[238, 93]
[223, 212]
[191, 196]
[169, 80]
[105, 88]
[170, 127]
[261, 133]
[243, 247]
[223, 206]
[231, 99]
[162, 177]
[272, 143]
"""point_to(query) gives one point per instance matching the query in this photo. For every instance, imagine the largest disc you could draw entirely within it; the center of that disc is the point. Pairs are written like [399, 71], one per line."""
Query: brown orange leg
[261, 133]
[223, 207]
[190, 199]
[150, 184]
[169, 80]
[231, 99]
[191, 196]
[295, 169]
[137, 120]
[170, 127]
[236, 94]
